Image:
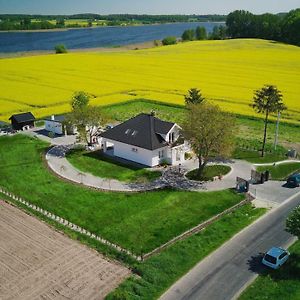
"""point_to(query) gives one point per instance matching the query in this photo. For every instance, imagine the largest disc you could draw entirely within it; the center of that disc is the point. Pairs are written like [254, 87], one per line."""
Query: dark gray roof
[141, 131]
[59, 119]
[23, 117]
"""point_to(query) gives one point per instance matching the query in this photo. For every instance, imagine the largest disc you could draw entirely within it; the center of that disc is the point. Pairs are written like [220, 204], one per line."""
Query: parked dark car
[294, 180]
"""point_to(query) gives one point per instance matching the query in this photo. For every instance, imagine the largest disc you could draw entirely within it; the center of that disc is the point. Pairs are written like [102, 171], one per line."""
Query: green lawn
[209, 172]
[281, 284]
[161, 271]
[255, 156]
[138, 222]
[105, 167]
[281, 171]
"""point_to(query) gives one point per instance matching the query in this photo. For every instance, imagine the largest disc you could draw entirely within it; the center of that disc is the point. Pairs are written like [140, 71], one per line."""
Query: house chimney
[52, 118]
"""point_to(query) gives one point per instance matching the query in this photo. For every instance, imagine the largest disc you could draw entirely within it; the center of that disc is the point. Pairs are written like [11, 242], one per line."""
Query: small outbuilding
[22, 121]
[59, 126]
[55, 124]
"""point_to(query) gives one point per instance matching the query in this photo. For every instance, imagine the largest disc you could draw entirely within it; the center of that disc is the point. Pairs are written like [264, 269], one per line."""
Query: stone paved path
[172, 177]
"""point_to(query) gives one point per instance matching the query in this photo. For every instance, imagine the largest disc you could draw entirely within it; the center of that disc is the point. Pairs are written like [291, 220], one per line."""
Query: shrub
[60, 49]
[188, 155]
[169, 40]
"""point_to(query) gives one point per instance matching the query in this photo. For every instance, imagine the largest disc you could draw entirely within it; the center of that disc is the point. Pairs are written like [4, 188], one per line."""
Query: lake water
[92, 37]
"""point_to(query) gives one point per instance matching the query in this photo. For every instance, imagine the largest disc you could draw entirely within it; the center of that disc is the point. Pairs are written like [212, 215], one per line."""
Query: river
[85, 38]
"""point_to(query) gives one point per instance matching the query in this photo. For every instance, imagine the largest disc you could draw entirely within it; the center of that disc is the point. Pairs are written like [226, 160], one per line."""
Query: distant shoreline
[137, 46]
[107, 26]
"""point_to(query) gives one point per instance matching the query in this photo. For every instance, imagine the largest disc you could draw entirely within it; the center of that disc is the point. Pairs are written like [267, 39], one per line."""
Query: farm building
[145, 139]
[22, 121]
[56, 124]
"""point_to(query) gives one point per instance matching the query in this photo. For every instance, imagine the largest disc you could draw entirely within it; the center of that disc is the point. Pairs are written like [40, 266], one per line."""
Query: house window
[161, 154]
[172, 137]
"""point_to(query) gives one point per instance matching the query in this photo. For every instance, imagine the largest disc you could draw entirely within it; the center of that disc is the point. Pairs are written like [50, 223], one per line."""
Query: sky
[144, 6]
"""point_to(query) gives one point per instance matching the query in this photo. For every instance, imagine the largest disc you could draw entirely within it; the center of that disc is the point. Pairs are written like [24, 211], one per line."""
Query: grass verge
[158, 273]
[102, 166]
[283, 284]
[209, 173]
[281, 171]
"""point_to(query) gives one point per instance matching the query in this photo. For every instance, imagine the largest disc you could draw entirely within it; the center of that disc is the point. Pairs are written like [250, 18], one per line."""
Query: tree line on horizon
[25, 22]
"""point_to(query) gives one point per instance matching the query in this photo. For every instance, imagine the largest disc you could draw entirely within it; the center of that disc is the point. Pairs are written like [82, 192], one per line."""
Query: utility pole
[277, 130]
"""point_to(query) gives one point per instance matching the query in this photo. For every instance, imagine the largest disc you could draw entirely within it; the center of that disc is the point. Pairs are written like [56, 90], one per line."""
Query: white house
[55, 124]
[145, 139]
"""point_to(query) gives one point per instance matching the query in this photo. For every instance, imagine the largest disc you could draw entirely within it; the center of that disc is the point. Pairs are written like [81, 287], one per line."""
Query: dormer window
[127, 131]
[172, 137]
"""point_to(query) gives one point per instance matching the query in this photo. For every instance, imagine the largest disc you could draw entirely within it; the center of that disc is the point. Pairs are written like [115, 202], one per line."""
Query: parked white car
[275, 257]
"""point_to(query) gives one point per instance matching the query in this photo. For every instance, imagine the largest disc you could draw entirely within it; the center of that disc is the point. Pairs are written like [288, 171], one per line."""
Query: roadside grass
[139, 222]
[209, 172]
[281, 171]
[158, 273]
[283, 284]
[102, 166]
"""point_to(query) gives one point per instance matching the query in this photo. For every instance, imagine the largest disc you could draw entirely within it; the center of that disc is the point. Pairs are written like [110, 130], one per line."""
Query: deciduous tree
[188, 35]
[80, 100]
[201, 33]
[210, 132]
[293, 222]
[87, 119]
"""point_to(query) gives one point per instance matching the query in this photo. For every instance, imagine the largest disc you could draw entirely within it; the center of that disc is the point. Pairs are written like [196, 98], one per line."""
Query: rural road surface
[223, 274]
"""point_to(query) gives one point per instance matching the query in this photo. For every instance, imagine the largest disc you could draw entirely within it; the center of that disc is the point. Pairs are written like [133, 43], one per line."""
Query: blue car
[275, 257]
[294, 180]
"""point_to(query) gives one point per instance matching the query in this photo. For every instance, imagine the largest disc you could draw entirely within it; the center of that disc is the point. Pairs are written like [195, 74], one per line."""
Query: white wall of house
[173, 156]
[177, 155]
[54, 126]
[159, 156]
[133, 153]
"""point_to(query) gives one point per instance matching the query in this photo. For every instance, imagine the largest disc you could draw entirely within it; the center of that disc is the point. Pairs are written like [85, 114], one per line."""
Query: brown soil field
[38, 262]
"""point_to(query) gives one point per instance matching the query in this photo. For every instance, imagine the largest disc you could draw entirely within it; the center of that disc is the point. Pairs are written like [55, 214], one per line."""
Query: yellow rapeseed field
[227, 72]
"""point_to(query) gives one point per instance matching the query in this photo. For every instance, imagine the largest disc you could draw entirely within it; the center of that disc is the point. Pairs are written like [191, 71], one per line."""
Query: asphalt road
[227, 271]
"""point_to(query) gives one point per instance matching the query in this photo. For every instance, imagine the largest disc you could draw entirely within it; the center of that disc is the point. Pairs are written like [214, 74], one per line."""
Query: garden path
[172, 177]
